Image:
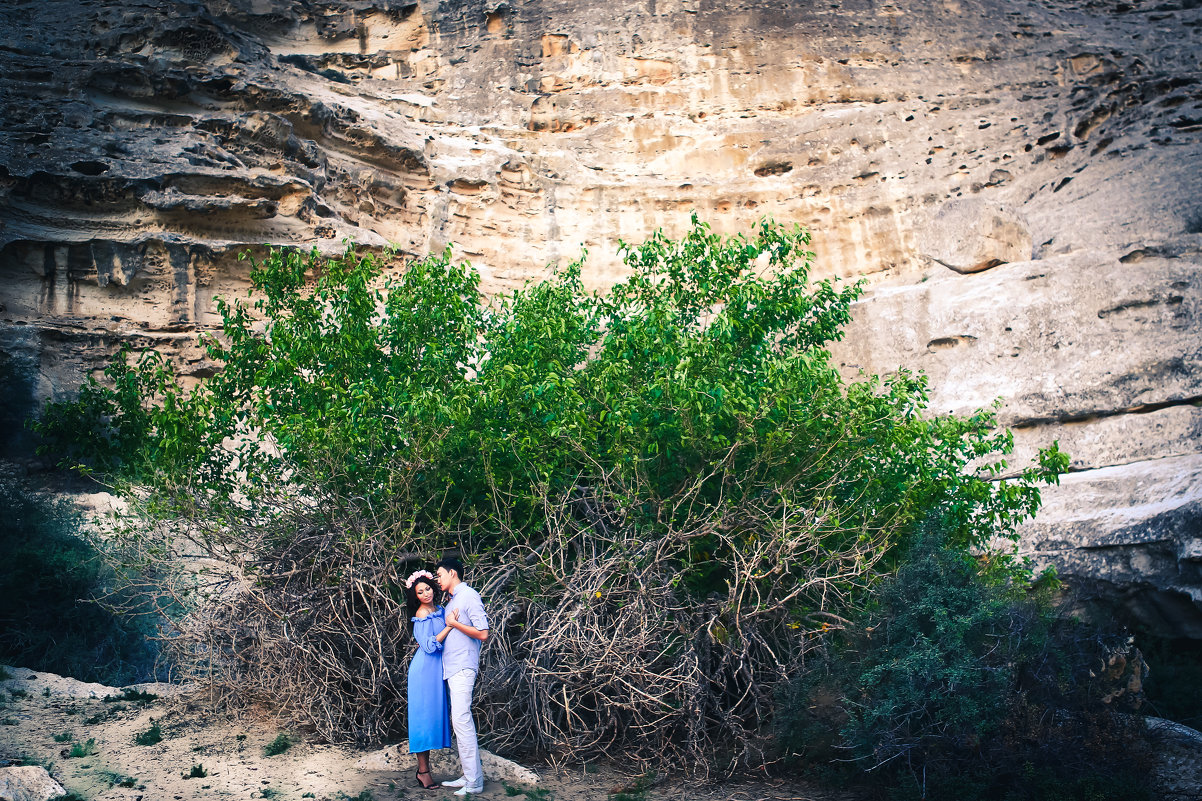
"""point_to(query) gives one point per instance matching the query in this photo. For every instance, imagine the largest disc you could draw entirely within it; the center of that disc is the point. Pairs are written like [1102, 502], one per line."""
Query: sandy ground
[44, 716]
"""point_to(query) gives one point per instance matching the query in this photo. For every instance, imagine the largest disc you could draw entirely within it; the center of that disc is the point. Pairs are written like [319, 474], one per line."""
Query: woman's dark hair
[411, 602]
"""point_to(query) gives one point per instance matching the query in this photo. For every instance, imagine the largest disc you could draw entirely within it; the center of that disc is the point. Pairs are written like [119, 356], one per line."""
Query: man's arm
[471, 631]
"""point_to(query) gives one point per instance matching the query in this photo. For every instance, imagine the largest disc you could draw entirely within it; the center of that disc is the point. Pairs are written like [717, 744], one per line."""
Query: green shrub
[130, 694]
[152, 736]
[279, 745]
[24, 759]
[117, 779]
[960, 684]
[83, 749]
[197, 772]
[50, 576]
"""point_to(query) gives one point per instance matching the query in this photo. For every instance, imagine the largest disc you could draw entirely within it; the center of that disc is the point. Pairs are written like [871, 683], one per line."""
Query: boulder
[1178, 770]
[969, 235]
[29, 783]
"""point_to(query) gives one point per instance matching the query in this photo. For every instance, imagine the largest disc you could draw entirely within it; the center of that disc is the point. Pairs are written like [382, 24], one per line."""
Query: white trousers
[459, 688]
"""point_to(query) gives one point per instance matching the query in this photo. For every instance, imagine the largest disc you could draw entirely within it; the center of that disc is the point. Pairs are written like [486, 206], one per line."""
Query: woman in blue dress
[429, 713]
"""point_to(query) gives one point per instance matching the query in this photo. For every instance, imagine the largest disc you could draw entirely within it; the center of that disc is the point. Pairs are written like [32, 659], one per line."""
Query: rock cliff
[1018, 182]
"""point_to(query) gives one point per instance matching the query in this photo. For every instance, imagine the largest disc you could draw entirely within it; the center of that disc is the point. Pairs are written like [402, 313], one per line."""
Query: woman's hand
[471, 631]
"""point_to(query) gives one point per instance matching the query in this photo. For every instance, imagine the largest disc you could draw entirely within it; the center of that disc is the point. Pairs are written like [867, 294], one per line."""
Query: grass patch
[9, 722]
[18, 694]
[130, 694]
[79, 750]
[532, 793]
[4, 674]
[70, 796]
[103, 715]
[64, 737]
[197, 772]
[279, 745]
[151, 736]
[635, 791]
[26, 760]
[117, 779]
[269, 792]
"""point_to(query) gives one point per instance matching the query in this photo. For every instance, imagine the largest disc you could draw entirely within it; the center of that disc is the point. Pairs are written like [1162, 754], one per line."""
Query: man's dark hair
[451, 563]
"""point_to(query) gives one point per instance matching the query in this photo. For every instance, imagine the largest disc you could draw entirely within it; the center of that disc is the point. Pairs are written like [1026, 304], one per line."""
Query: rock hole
[774, 168]
[90, 167]
[494, 21]
[943, 343]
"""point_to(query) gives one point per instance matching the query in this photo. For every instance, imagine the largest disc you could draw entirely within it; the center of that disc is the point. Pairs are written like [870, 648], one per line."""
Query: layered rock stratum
[1017, 181]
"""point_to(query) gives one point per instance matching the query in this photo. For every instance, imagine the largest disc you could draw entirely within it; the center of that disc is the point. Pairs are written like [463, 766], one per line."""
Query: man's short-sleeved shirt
[459, 651]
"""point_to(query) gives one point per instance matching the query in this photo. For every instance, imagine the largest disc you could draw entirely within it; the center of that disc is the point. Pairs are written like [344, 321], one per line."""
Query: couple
[446, 663]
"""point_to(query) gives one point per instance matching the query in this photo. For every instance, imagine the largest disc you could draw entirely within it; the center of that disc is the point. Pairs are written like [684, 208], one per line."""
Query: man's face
[445, 577]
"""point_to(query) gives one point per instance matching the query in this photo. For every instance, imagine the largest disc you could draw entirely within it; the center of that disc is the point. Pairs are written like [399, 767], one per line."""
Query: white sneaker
[455, 782]
[469, 790]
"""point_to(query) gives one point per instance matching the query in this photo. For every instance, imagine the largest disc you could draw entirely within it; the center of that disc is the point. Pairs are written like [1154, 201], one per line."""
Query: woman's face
[425, 593]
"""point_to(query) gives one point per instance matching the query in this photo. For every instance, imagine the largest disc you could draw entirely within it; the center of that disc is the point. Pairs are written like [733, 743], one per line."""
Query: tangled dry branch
[600, 645]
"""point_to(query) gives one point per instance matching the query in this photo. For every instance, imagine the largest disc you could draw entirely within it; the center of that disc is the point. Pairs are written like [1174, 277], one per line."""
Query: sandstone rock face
[1112, 370]
[1052, 145]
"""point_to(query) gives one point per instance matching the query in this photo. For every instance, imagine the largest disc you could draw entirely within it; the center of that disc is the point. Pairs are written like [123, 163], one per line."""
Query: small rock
[30, 783]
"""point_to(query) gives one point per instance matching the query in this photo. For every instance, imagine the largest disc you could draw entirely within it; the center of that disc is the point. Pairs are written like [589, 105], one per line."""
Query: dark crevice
[1082, 417]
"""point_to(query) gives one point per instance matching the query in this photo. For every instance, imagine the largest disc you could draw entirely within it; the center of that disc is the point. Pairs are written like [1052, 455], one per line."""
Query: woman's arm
[442, 635]
[430, 642]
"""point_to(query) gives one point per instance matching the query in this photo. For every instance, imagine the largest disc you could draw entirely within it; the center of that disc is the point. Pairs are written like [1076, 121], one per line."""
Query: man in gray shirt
[460, 664]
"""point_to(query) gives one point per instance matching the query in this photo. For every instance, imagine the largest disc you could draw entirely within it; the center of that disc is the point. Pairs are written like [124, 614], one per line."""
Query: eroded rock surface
[1054, 145]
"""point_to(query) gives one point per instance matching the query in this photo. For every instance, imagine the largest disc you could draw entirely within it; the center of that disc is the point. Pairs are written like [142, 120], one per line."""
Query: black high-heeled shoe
[418, 775]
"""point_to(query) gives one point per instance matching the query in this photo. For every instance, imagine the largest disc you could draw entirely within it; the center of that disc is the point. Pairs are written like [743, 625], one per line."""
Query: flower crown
[415, 576]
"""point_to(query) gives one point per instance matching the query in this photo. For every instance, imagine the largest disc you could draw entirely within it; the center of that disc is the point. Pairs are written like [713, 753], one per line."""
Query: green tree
[673, 467]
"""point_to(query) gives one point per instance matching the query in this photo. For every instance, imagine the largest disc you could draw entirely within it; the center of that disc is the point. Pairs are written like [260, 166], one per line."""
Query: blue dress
[429, 713]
